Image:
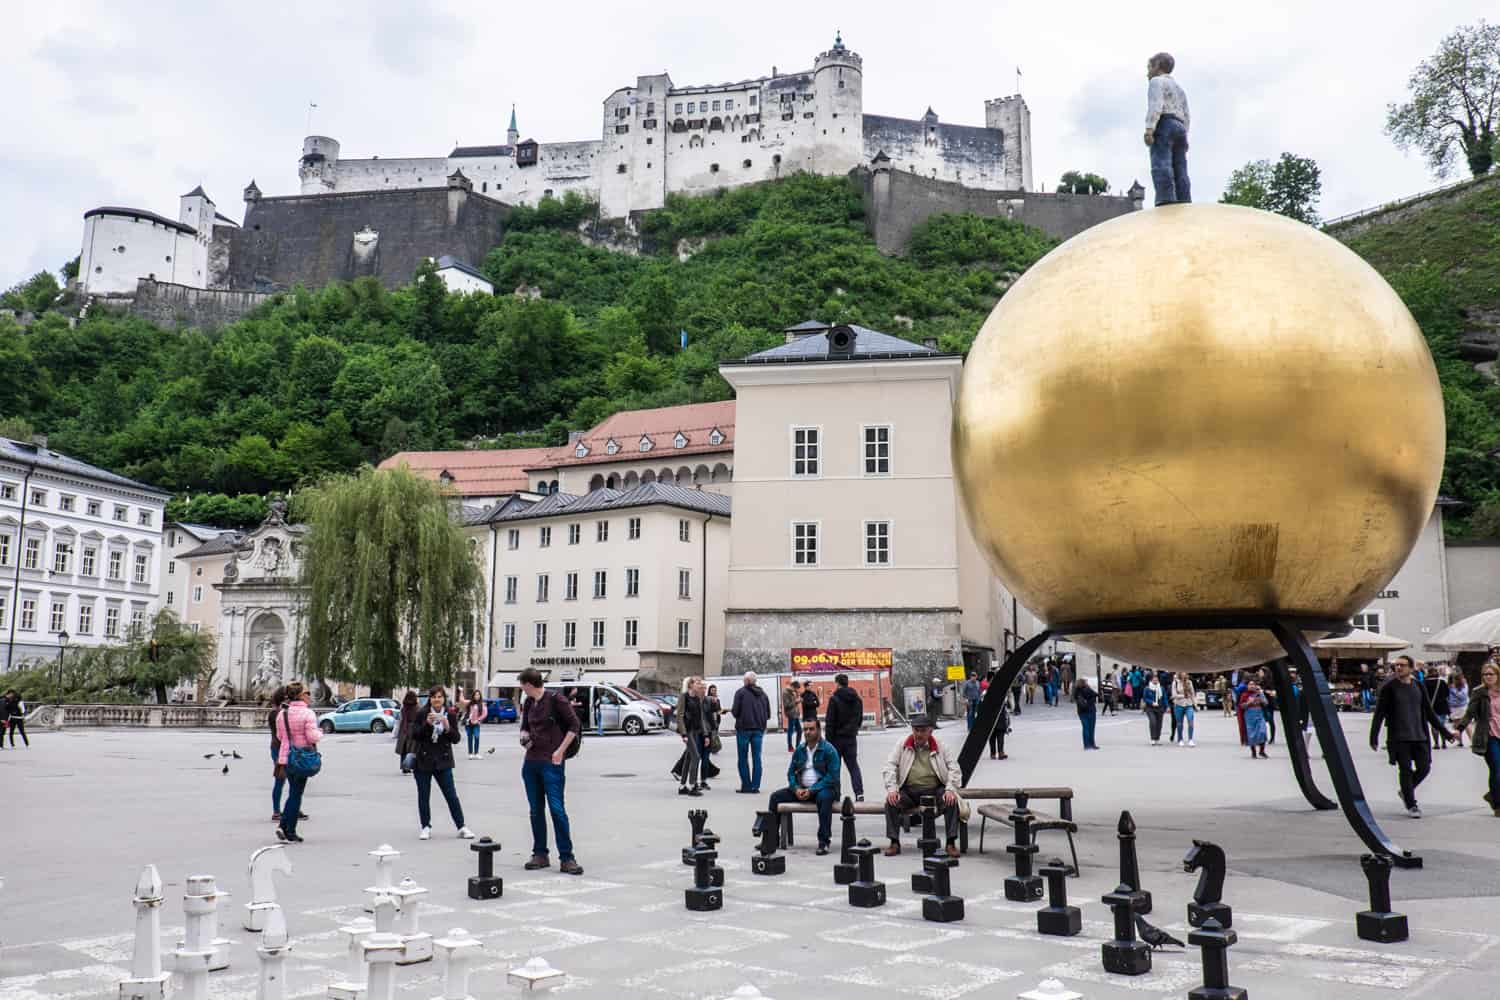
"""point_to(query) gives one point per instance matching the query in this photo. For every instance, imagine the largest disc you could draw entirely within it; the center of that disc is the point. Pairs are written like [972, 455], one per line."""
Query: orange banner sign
[831, 661]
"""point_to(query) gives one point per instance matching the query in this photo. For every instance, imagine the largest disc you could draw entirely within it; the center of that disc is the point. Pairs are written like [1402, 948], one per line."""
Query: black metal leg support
[1336, 749]
[993, 702]
[1296, 748]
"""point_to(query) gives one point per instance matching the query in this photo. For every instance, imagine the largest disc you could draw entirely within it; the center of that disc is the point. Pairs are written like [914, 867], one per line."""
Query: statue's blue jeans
[1169, 171]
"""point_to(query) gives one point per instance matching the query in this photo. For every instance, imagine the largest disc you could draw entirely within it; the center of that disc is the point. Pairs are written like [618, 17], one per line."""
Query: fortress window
[841, 84]
[98, 270]
[729, 104]
[713, 168]
[752, 100]
[776, 159]
[788, 117]
[746, 164]
[650, 107]
[169, 258]
[547, 193]
[622, 112]
[620, 169]
[807, 114]
[648, 140]
[484, 186]
[621, 129]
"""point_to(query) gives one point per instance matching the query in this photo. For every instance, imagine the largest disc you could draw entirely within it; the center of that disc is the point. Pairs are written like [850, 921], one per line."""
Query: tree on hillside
[1291, 187]
[394, 593]
[36, 294]
[1074, 182]
[1455, 102]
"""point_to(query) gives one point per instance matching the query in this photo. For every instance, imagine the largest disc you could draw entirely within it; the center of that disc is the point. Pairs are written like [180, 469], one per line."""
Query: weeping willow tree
[393, 592]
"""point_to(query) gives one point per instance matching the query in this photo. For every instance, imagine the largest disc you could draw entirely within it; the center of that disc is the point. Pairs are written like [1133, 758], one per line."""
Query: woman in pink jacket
[296, 725]
[475, 712]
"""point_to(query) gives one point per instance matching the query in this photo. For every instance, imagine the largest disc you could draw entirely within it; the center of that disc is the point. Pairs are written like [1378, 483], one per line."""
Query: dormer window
[715, 436]
[680, 441]
[611, 447]
[582, 451]
[645, 442]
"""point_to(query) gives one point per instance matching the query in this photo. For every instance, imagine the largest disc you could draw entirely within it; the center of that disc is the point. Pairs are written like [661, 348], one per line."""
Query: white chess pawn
[147, 980]
[382, 952]
[455, 953]
[272, 951]
[352, 987]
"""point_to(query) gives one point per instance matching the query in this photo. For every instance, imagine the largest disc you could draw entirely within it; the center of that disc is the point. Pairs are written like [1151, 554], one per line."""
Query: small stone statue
[1167, 131]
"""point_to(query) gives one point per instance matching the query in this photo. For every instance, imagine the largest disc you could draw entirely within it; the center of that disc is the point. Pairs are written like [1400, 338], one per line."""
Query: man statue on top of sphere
[1167, 131]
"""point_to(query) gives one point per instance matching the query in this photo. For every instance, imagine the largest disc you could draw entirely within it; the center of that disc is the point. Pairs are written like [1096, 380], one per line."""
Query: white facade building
[80, 551]
[123, 245]
[460, 277]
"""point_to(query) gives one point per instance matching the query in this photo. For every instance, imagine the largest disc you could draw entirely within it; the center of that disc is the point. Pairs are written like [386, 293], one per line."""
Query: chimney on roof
[575, 436]
[930, 343]
[40, 440]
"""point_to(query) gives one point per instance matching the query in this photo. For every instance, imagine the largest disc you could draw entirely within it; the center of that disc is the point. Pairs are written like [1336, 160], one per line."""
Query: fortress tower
[1012, 118]
[838, 88]
[319, 167]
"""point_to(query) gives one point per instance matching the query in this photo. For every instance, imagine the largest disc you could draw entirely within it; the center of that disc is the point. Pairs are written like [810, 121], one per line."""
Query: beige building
[610, 580]
[200, 571]
[178, 539]
[848, 532]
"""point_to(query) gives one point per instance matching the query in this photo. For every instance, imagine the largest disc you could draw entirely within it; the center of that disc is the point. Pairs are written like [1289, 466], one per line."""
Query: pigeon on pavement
[208, 756]
[490, 750]
[1155, 936]
[226, 769]
[236, 755]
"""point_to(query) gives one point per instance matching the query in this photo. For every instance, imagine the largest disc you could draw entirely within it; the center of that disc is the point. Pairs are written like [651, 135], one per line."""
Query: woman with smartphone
[434, 732]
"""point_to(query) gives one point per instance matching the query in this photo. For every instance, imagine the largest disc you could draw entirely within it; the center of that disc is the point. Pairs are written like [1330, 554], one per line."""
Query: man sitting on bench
[812, 777]
[920, 766]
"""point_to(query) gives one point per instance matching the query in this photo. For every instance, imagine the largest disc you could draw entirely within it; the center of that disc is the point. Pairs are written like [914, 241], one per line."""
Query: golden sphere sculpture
[1198, 409]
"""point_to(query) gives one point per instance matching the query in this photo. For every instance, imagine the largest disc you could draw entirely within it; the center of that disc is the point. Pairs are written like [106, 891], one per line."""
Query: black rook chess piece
[1378, 923]
[846, 870]
[1215, 940]
[1125, 955]
[1057, 917]
[941, 906]
[927, 844]
[485, 885]
[1130, 869]
[764, 862]
[1208, 898]
[698, 818]
[1024, 886]
[703, 895]
[865, 891]
[708, 840]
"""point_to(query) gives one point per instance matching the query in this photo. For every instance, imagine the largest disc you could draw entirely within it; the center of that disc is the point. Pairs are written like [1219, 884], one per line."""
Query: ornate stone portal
[260, 611]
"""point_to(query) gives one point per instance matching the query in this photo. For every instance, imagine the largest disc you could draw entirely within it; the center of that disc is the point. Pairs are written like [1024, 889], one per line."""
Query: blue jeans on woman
[277, 784]
[1183, 716]
[473, 733]
[444, 778]
[1169, 173]
[544, 783]
[293, 807]
[1088, 719]
[1492, 758]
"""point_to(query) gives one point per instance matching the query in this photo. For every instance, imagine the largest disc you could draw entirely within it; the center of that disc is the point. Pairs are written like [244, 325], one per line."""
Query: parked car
[374, 715]
[665, 703]
[613, 708]
[501, 710]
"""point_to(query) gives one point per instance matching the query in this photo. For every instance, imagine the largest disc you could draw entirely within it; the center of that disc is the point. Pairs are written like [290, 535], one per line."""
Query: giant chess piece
[1208, 859]
[941, 906]
[200, 904]
[765, 861]
[1125, 955]
[147, 980]
[264, 861]
[1025, 885]
[486, 885]
[709, 841]
[1378, 923]
[385, 862]
[846, 870]
[1057, 917]
[1130, 869]
[704, 895]
[1215, 940]
[927, 845]
[416, 943]
[357, 973]
[698, 818]
[455, 953]
[382, 953]
[272, 950]
[865, 891]
[194, 955]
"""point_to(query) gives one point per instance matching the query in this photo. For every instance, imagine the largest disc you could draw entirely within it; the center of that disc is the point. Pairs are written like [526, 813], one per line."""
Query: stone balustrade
[149, 716]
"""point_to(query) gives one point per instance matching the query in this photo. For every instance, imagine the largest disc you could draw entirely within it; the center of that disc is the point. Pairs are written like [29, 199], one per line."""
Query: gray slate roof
[814, 347]
[448, 260]
[605, 499]
[223, 545]
[27, 453]
[482, 151]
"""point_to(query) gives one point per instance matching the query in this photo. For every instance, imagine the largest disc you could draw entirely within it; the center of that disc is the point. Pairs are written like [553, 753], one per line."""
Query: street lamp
[62, 647]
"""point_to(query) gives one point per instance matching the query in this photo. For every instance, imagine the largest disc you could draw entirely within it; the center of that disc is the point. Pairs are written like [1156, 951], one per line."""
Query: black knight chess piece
[699, 819]
[941, 906]
[1057, 917]
[865, 891]
[1130, 869]
[765, 861]
[485, 885]
[1125, 956]
[704, 895]
[1378, 923]
[1208, 898]
[1215, 941]
[846, 870]
[1025, 885]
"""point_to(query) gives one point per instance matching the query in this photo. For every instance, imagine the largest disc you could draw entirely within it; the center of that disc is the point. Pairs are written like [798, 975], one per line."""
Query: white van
[611, 707]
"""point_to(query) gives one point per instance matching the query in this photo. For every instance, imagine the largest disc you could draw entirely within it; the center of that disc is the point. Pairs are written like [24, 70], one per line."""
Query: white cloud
[135, 104]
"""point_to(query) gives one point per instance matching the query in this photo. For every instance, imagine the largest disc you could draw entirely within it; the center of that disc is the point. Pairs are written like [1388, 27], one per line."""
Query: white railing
[1402, 202]
[149, 716]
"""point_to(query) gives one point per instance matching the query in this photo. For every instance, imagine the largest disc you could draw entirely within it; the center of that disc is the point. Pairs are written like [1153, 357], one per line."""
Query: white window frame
[5, 548]
[575, 534]
[508, 635]
[570, 635]
[142, 569]
[544, 536]
[116, 564]
[112, 621]
[632, 581]
[198, 593]
[513, 539]
[512, 589]
[817, 553]
[1366, 616]
[58, 619]
[601, 584]
[543, 587]
[538, 635]
[597, 635]
[632, 633]
[889, 531]
[85, 618]
[4, 607]
[137, 620]
[601, 531]
[28, 614]
[38, 497]
[171, 598]
[62, 556]
[684, 583]
[171, 567]
[122, 514]
[143, 518]
[816, 460]
[684, 530]
[93, 508]
[570, 587]
[66, 502]
[31, 554]
[864, 456]
[684, 633]
[89, 561]
[633, 529]
[7, 491]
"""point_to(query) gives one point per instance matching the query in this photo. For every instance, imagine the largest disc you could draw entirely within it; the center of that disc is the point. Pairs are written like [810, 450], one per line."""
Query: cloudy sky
[133, 104]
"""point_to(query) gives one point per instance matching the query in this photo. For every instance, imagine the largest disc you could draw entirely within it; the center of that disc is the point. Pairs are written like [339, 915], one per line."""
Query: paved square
[88, 808]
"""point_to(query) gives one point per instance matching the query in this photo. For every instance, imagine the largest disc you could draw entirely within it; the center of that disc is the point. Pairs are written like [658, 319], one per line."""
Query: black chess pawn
[846, 870]
[1025, 885]
[1130, 869]
[699, 819]
[765, 861]
[1125, 955]
[1208, 898]
[865, 891]
[485, 885]
[710, 841]
[1057, 917]
[1215, 940]
[704, 895]
[1378, 923]
[941, 906]
[927, 844]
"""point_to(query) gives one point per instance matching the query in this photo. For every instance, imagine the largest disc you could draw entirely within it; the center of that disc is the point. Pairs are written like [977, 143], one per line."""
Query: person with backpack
[550, 732]
[433, 736]
[297, 757]
[1086, 701]
[810, 702]
[845, 716]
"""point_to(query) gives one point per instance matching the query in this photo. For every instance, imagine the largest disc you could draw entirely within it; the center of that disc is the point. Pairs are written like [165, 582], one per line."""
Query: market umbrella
[1361, 640]
[1475, 634]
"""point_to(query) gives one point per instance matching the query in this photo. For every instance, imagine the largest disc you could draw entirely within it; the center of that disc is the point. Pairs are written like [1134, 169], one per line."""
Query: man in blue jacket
[812, 777]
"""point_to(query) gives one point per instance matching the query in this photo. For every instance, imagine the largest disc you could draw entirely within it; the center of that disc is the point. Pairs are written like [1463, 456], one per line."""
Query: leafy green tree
[16, 429]
[1074, 182]
[1485, 522]
[394, 590]
[1455, 102]
[653, 301]
[1291, 187]
[70, 269]
[36, 294]
[219, 510]
[165, 654]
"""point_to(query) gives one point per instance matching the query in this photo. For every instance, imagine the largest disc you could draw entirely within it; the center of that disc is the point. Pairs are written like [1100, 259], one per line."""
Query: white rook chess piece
[385, 856]
[352, 986]
[200, 904]
[417, 943]
[1050, 989]
[746, 992]
[272, 951]
[147, 980]
[455, 952]
[382, 952]
[535, 975]
[263, 862]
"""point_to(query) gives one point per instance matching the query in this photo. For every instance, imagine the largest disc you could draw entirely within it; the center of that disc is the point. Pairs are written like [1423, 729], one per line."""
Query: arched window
[597, 483]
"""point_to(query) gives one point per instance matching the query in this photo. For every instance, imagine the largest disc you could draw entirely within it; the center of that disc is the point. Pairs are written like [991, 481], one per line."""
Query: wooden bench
[1040, 821]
